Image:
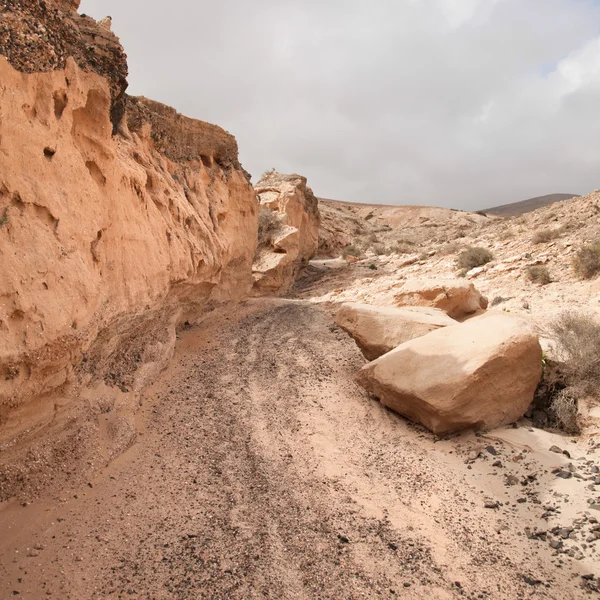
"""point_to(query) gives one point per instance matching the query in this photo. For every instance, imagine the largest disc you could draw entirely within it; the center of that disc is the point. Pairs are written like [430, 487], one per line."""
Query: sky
[459, 103]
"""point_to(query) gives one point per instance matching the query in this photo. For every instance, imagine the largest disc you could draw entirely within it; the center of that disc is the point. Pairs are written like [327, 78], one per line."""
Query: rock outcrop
[457, 298]
[288, 231]
[481, 374]
[38, 36]
[379, 329]
[108, 242]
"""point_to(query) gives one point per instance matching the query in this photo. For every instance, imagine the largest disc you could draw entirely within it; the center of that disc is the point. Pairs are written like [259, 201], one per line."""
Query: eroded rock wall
[289, 237]
[40, 35]
[106, 244]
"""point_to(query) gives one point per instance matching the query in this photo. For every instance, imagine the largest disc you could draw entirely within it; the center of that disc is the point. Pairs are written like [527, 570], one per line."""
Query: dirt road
[262, 471]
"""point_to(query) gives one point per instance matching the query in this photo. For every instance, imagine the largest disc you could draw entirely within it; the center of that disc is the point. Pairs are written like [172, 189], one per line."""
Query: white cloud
[458, 103]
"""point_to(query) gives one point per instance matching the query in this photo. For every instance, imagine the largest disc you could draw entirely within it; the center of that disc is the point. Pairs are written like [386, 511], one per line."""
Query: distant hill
[525, 206]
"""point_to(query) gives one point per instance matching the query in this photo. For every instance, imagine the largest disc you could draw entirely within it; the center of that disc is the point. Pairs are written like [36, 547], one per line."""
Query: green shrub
[539, 274]
[587, 260]
[473, 257]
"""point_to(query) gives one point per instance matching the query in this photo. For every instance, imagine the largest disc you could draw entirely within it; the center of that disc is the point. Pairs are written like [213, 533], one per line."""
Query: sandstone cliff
[38, 36]
[288, 231]
[108, 241]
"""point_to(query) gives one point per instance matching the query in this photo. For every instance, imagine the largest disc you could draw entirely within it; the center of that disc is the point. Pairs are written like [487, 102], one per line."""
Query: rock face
[379, 329]
[480, 374]
[288, 231]
[455, 297]
[180, 138]
[107, 242]
[40, 35]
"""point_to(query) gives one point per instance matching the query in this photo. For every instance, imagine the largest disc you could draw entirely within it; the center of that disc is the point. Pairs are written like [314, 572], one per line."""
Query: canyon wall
[120, 220]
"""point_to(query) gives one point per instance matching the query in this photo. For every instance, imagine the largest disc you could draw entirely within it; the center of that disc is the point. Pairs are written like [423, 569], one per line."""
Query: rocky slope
[108, 241]
[393, 228]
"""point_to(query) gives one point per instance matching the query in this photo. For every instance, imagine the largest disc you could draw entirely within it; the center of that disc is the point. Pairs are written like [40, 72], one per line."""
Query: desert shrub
[268, 173]
[498, 300]
[563, 410]
[4, 218]
[506, 234]
[543, 236]
[351, 250]
[423, 256]
[473, 257]
[481, 213]
[577, 339]
[401, 248]
[539, 274]
[268, 225]
[586, 262]
[379, 249]
[451, 248]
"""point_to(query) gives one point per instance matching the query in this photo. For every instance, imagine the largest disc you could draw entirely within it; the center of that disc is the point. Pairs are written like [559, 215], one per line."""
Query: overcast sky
[458, 103]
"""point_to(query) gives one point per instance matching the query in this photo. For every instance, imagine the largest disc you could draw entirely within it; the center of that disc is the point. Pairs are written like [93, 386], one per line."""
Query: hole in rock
[60, 103]
[95, 172]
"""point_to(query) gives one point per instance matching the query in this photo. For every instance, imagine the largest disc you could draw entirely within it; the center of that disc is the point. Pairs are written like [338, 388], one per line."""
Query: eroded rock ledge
[38, 36]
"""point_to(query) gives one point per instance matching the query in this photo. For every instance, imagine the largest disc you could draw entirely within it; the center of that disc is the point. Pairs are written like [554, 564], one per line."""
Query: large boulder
[288, 231]
[457, 298]
[479, 374]
[379, 329]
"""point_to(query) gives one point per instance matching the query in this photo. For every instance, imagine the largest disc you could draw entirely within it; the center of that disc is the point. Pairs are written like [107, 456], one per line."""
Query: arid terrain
[217, 389]
[262, 470]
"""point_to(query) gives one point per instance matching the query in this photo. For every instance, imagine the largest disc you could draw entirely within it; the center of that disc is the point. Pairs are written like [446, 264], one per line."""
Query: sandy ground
[261, 470]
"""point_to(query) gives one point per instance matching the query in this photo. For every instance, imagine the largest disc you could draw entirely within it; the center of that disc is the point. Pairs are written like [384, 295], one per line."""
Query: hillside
[400, 228]
[524, 206]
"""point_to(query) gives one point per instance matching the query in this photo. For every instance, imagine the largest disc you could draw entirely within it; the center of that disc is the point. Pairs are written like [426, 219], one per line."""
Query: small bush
[351, 250]
[563, 410]
[268, 173]
[539, 274]
[451, 248]
[4, 218]
[402, 248]
[506, 234]
[473, 257]
[543, 236]
[587, 260]
[498, 300]
[577, 338]
[379, 249]
[268, 226]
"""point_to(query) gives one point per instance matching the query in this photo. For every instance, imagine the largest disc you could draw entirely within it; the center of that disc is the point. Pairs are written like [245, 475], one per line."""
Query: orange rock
[106, 243]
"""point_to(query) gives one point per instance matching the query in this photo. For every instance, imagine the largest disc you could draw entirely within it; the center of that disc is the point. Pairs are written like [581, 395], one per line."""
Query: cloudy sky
[459, 103]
